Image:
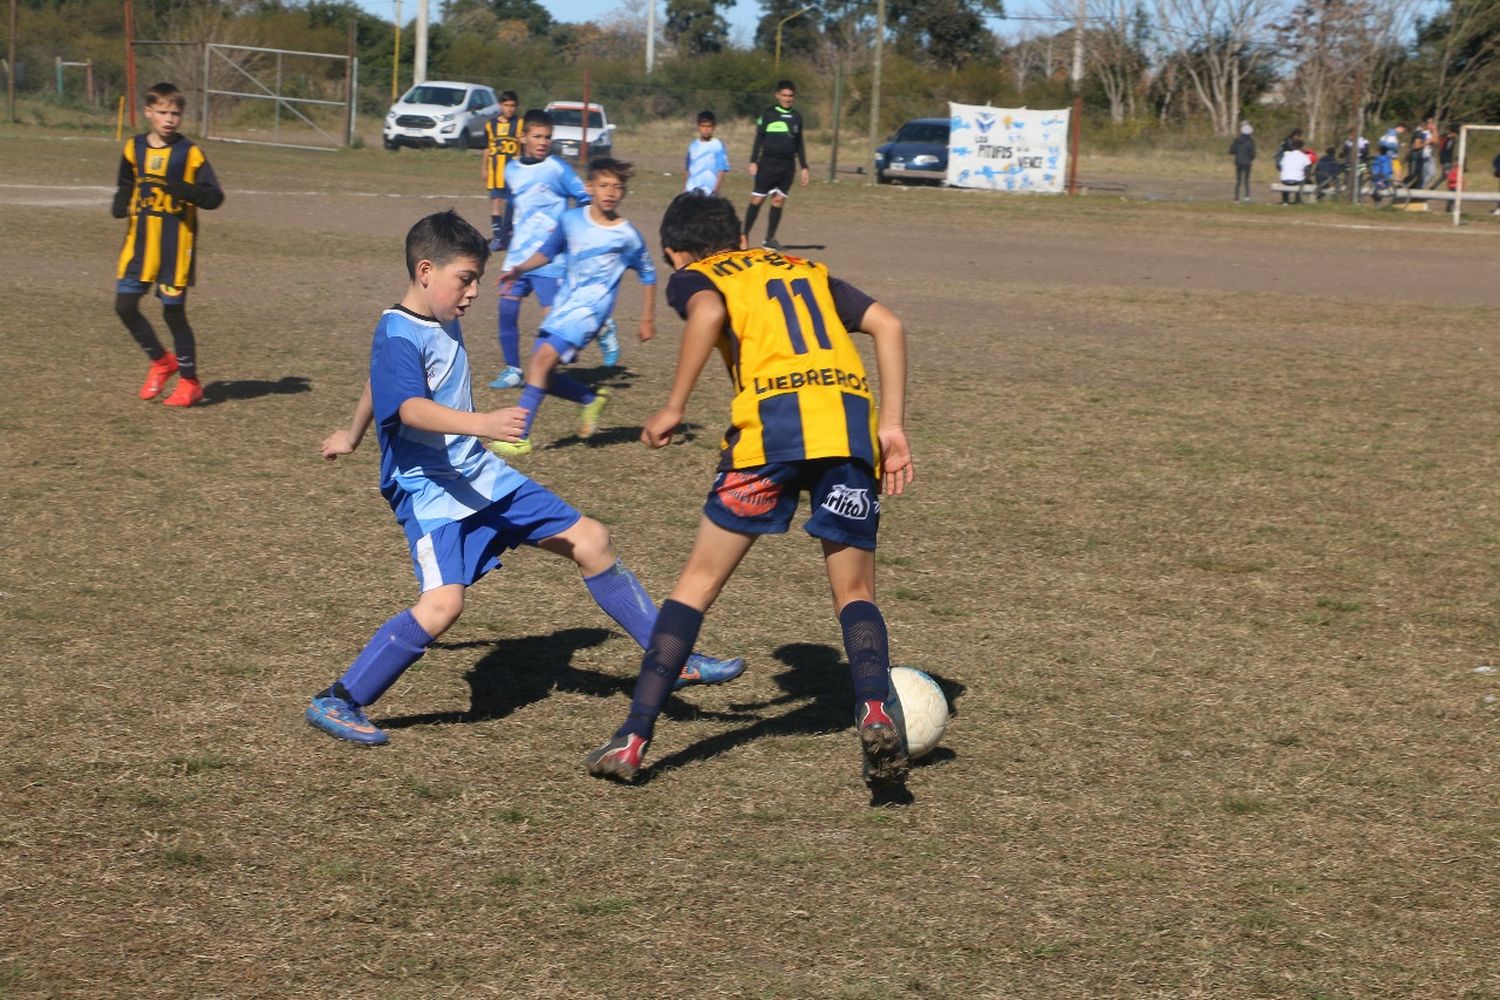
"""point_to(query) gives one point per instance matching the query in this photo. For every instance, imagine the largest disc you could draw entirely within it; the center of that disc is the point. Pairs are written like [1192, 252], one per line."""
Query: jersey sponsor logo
[813, 376]
[851, 502]
[748, 494]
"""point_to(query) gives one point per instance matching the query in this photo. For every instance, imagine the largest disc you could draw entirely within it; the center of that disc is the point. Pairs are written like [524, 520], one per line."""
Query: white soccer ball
[923, 706]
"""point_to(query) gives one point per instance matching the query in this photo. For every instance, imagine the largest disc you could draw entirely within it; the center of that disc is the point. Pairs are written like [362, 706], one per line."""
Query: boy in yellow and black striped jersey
[164, 179]
[502, 135]
[803, 418]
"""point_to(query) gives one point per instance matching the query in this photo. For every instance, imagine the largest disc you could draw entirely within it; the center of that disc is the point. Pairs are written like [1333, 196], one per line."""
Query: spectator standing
[1243, 151]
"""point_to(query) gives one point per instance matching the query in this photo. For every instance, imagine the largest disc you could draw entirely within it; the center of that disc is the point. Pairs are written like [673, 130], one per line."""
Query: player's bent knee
[587, 543]
[436, 610]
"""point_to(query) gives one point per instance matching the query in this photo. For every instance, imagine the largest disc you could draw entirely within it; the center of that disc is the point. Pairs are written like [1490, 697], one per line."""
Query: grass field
[1203, 544]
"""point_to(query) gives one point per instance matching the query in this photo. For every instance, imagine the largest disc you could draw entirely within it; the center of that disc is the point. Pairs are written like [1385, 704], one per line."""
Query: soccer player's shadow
[225, 390]
[520, 672]
[817, 682]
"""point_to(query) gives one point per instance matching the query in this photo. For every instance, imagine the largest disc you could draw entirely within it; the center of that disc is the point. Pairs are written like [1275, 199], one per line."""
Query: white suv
[567, 129]
[440, 113]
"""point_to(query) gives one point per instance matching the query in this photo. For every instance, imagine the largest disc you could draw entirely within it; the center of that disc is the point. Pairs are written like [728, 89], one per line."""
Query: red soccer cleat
[188, 392]
[156, 376]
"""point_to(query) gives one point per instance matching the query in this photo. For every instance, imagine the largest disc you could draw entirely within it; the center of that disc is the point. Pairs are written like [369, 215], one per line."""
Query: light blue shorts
[464, 551]
[569, 330]
[170, 295]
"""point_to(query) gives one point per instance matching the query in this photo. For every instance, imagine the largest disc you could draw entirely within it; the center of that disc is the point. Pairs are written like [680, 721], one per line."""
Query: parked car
[567, 129]
[440, 113]
[917, 152]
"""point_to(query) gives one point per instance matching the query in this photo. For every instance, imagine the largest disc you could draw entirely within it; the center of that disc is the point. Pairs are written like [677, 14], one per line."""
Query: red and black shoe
[883, 740]
[619, 759]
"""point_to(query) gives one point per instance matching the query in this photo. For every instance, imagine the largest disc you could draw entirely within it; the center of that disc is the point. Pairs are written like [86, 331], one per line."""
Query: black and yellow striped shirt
[160, 191]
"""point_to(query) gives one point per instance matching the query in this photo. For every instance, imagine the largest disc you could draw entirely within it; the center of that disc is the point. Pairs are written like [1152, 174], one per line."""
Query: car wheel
[391, 144]
[881, 178]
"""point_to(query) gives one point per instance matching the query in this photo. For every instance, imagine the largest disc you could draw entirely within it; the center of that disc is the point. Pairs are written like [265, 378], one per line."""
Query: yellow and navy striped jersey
[504, 138]
[800, 386]
[160, 190]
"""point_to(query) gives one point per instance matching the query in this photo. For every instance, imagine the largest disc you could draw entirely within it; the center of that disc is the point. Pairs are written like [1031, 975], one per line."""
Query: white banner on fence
[1007, 149]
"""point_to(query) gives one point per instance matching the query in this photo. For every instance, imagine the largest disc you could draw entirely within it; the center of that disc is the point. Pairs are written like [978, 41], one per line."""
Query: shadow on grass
[253, 388]
[520, 672]
[818, 677]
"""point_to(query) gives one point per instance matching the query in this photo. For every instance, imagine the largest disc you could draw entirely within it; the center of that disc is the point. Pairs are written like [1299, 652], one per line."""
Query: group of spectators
[1424, 161]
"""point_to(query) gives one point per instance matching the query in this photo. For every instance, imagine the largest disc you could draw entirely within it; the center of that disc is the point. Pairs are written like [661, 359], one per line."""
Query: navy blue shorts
[464, 551]
[170, 295]
[761, 500]
[502, 193]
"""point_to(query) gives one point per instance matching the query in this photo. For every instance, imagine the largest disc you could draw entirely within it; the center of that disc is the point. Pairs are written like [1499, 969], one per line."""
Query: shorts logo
[748, 495]
[850, 502]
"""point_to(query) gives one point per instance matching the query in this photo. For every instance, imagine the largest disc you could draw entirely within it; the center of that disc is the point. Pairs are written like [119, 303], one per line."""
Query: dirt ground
[1202, 547]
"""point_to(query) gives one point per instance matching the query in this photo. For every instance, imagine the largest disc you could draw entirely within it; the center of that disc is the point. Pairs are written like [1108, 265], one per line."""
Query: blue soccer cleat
[609, 342]
[510, 377]
[704, 669]
[344, 720]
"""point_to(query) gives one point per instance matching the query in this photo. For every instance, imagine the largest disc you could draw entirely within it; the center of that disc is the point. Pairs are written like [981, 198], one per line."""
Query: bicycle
[1389, 192]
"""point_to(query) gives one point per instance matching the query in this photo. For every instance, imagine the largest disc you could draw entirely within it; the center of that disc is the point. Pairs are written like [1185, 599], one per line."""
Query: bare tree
[1223, 42]
[1337, 52]
[1114, 42]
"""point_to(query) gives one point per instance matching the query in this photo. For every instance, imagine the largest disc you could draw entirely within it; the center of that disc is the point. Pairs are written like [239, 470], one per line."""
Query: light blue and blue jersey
[705, 162]
[539, 194]
[429, 479]
[598, 257]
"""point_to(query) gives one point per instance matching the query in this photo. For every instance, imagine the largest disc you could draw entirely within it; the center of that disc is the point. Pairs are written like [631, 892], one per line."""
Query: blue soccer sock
[396, 645]
[497, 226]
[531, 401]
[671, 642]
[868, 647]
[622, 597]
[569, 388]
[510, 330]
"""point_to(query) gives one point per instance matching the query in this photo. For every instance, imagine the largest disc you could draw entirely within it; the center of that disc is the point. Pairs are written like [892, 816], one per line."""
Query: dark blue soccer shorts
[464, 551]
[170, 295]
[761, 500]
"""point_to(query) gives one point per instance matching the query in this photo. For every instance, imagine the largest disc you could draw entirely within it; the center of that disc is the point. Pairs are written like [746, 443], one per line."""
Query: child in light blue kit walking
[600, 247]
[460, 506]
[707, 160]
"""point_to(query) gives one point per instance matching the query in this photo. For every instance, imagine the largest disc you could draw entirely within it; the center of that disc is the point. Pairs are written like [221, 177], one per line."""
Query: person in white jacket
[1294, 164]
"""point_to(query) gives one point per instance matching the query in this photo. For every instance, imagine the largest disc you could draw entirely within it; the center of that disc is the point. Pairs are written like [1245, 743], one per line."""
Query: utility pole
[10, 67]
[396, 56]
[875, 81]
[650, 36]
[419, 69]
[1076, 76]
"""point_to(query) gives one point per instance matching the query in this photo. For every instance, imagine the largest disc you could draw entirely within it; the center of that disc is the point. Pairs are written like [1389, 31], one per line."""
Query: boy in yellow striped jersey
[164, 179]
[502, 135]
[803, 418]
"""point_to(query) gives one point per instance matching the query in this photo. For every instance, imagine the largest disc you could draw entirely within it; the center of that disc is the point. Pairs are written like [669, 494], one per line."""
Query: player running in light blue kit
[541, 186]
[600, 247]
[460, 506]
[707, 160]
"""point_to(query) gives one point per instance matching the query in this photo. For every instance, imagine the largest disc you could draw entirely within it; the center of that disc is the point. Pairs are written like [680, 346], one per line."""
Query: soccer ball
[924, 708]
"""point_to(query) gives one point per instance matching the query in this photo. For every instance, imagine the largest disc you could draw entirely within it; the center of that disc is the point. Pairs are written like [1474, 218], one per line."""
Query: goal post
[1463, 164]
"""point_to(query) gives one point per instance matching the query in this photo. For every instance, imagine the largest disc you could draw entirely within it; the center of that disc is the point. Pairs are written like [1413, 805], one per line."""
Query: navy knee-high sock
[569, 388]
[184, 345]
[672, 640]
[510, 330]
[128, 308]
[531, 401]
[772, 221]
[868, 648]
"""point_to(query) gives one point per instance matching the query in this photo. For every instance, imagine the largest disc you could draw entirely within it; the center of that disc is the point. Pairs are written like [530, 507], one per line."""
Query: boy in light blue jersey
[541, 186]
[600, 247]
[460, 506]
[707, 159]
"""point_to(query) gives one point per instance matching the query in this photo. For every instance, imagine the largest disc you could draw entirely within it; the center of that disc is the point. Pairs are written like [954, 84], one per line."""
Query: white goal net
[1478, 149]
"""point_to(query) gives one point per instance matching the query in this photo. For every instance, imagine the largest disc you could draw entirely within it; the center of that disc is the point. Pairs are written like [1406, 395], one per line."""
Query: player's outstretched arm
[706, 314]
[346, 439]
[428, 415]
[886, 329]
[648, 312]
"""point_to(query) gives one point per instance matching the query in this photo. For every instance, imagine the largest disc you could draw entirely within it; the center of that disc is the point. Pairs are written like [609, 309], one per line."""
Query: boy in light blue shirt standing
[460, 506]
[707, 159]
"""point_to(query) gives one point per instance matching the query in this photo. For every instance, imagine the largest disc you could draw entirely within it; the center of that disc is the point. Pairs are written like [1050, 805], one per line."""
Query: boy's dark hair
[535, 117]
[786, 85]
[700, 224]
[164, 93]
[442, 237]
[509, 95]
[707, 116]
[604, 165]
